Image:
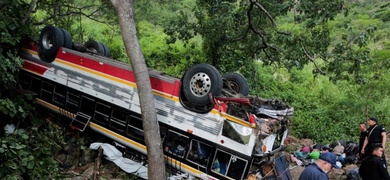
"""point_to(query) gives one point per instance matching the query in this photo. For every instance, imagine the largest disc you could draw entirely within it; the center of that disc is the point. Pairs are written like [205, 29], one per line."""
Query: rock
[337, 174]
[296, 172]
[88, 156]
[88, 173]
[306, 142]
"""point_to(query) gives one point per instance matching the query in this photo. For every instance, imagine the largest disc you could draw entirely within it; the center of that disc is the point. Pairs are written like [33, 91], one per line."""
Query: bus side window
[35, 85]
[24, 80]
[72, 101]
[229, 165]
[47, 91]
[134, 128]
[87, 105]
[221, 162]
[176, 144]
[102, 113]
[236, 167]
[199, 153]
[119, 119]
[59, 95]
[163, 132]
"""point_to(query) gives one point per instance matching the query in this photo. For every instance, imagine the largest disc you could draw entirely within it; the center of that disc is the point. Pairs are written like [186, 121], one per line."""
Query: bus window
[72, 102]
[102, 113]
[199, 153]
[236, 132]
[47, 91]
[163, 132]
[24, 80]
[87, 105]
[59, 95]
[35, 85]
[176, 144]
[119, 120]
[134, 128]
[229, 165]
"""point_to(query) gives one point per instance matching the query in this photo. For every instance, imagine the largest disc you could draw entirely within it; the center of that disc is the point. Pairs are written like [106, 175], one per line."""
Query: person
[362, 137]
[376, 134]
[338, 150]
[320, 169]
[373, 167]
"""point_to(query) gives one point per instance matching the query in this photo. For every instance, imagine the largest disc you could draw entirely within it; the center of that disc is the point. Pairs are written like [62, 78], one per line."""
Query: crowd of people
[368, 154]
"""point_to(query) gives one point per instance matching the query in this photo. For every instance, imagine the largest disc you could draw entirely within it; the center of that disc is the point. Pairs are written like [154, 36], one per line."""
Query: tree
[237, 33]
[125, 15]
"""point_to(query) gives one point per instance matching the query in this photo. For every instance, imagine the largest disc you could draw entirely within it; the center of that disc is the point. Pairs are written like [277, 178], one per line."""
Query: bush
[27, 154]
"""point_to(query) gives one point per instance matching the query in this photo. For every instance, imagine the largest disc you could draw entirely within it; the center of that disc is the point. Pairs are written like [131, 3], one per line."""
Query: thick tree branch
[265, 11]
[76, 11]
[30, 9]
[254, 2]
[251, 27]
[313, 60]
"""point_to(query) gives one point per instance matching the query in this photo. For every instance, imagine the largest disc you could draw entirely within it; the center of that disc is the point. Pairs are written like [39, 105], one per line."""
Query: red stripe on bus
[39, 69]
[125, 74]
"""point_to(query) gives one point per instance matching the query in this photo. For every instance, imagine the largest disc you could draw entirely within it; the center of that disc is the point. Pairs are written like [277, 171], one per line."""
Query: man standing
[376, 134]
[320, 169]
[362, 137]
[373, 167]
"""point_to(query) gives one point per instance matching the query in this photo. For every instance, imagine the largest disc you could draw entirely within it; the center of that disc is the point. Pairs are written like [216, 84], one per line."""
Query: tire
[51, 39]
[45, 57]
[106, 50]
[67, 39]
[237, 82]
[95, 46]
[199, 81]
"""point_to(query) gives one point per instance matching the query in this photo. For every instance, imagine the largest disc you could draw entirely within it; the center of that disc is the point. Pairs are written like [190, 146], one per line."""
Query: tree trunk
[156, 166]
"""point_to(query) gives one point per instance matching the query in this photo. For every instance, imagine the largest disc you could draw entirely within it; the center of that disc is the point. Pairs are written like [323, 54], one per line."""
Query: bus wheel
[95, 47]
[199, 81]
[106, 50]
[46, 57]
[236, 82]
[51, 39]
[67, 39]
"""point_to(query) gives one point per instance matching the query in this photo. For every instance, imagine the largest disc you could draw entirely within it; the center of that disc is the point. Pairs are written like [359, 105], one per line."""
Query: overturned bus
[211, 128]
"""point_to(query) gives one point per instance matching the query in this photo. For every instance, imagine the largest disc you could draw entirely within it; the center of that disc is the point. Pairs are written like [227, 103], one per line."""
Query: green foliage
[345, 44]
[27, 154]
[23, 155]
[13, 28]
[10, 66]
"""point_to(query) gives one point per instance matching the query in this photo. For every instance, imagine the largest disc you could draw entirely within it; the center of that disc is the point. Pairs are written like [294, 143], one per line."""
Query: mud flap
[80, 121]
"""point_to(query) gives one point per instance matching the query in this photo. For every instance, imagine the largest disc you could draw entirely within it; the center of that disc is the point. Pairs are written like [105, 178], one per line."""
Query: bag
[351, 159]
[353, 174]
[352, 148]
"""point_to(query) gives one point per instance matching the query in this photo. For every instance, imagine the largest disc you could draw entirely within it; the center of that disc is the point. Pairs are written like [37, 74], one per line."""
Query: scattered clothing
[314, 155]
[305, 149]
[338, 150]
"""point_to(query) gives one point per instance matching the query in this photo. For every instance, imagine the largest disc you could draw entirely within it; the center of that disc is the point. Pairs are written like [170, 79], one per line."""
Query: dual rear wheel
[52, 38]
[202, 82]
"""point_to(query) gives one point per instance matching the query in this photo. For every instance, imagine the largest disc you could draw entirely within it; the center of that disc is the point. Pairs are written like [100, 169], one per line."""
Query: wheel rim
[47, 40]
[200, 84]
